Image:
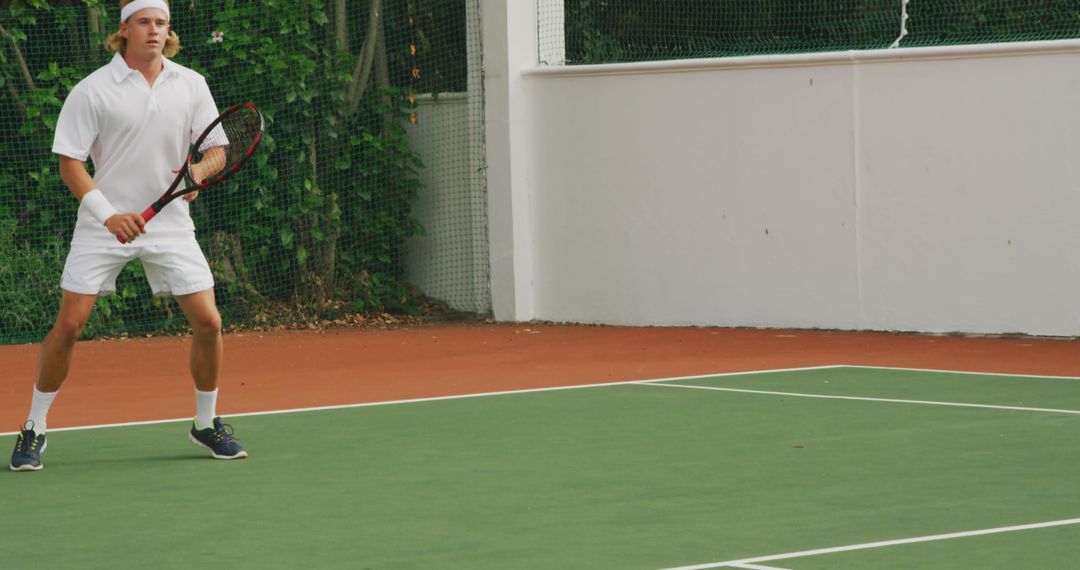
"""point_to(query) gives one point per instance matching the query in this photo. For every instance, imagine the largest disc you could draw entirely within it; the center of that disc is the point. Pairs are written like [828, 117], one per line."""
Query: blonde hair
[118, 43]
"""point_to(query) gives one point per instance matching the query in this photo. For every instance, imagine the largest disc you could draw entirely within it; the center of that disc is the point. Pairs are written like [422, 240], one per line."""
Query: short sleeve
[77, 126]
[205, 109]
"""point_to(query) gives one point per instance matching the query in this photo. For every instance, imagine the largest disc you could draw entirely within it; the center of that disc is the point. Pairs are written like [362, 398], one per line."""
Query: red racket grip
[147, 215]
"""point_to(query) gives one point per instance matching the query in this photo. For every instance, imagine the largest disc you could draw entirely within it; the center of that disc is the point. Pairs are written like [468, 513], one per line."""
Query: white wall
[971, 195]
[917, 189]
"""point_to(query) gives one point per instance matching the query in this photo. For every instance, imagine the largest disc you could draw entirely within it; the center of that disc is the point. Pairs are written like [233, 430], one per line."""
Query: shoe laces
[25, 444]
[224, 434]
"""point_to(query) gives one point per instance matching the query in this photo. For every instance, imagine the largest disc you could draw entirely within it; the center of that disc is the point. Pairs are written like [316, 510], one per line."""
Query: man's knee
[68, 328]
[71, 319]
[207, 324]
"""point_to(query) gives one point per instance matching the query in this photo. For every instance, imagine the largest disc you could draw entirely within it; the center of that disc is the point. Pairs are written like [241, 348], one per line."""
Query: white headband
[137, 5]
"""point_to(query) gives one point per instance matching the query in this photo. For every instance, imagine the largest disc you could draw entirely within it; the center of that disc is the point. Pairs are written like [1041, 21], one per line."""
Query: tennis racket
[219, 152]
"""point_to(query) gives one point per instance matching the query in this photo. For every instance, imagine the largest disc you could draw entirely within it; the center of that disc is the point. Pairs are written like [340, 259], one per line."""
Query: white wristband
[98, 206]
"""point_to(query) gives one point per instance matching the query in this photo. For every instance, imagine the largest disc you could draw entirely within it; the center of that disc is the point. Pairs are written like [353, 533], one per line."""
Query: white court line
[755, 567]
[859, 398]
[440, 398]
[965, 372]
[880, 544]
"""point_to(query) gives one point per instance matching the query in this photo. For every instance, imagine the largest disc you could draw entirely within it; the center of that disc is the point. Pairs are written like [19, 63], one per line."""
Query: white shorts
[174, 269]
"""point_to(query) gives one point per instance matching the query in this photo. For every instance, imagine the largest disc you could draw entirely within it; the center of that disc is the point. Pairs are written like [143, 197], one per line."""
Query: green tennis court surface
[636, 476]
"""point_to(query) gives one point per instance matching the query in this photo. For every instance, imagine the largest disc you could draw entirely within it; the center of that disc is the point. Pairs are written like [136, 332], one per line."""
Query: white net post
[552, 31]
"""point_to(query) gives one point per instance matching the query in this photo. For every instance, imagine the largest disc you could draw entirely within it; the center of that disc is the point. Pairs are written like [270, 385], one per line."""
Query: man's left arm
[213, 160]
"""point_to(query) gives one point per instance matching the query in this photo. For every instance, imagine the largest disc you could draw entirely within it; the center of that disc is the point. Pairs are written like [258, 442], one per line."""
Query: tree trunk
[362, 71]
[29, 79]
[341, 23]
[16, 96]
[382, 79]
[93, 25]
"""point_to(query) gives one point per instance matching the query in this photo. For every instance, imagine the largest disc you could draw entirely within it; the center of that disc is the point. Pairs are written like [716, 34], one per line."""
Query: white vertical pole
[552, 31]
[510, 32]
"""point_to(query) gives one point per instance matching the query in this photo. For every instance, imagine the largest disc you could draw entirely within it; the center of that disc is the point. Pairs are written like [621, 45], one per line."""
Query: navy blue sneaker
[28, 449]
[219, 440]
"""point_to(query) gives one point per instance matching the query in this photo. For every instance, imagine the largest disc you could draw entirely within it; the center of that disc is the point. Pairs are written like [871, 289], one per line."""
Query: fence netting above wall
[318, 226]
[619, 31]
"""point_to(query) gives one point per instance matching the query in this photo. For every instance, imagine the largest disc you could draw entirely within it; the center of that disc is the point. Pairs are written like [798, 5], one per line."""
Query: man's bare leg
[206, 355]
[54, 362]
[207, 349]
[54, 357]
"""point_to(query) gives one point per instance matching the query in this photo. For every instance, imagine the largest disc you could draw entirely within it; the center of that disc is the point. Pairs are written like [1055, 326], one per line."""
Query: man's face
[146, 32]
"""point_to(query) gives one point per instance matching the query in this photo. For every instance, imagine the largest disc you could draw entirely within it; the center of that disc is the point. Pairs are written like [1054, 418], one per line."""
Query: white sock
[39, 408]
[205, 408]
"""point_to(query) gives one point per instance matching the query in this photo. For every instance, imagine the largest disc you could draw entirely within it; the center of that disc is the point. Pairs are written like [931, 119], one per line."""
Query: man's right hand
[126, 226]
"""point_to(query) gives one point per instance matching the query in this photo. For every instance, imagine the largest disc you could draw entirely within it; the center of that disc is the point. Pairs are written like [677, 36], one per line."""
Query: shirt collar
[121, 71]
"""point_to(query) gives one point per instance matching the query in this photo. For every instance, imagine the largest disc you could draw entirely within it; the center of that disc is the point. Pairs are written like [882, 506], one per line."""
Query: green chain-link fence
[615, 31]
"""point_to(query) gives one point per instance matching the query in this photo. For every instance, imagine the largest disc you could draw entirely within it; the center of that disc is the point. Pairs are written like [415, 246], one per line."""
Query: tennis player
[135, 118]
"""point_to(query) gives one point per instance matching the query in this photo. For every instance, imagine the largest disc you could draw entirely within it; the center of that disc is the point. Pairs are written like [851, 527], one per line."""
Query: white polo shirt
[135, 134]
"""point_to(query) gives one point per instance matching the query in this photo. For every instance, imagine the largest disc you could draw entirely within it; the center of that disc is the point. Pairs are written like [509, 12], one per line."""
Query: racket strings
[227, 145]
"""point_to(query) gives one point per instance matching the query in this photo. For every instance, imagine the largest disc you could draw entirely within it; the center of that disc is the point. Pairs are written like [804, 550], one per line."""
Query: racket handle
[147, 215]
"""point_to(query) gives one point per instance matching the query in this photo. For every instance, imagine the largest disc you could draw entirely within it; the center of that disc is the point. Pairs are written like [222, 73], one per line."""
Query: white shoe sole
[26, 468]
[240, 455]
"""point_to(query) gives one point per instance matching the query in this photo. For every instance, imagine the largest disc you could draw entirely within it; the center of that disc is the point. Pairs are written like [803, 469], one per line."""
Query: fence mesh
[618, 31]
[971, 22]
[322, 223]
